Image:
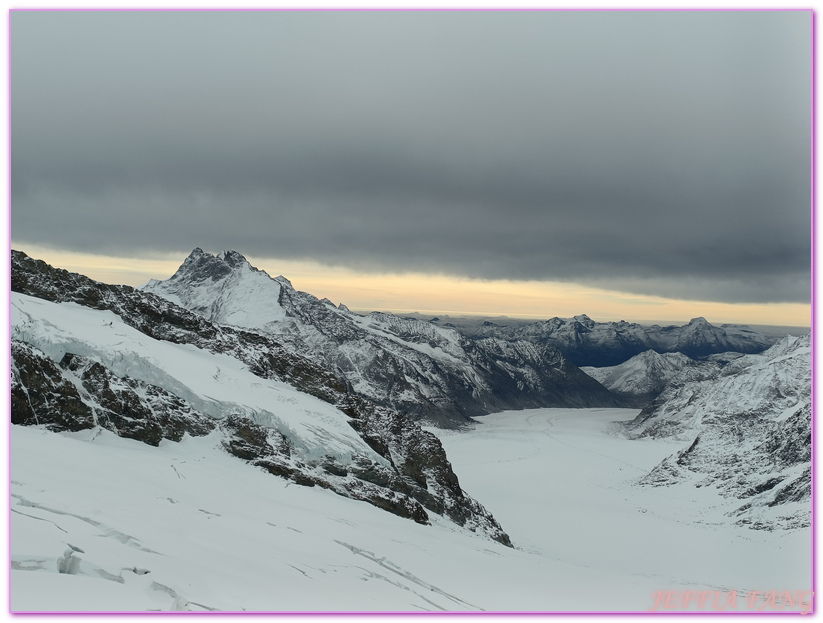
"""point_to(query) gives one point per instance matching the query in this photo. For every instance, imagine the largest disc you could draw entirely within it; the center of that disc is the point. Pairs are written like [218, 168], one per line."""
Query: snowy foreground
[187, 527]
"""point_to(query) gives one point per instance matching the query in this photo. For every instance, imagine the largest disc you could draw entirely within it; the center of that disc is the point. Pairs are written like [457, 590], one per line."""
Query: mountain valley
[491, 445]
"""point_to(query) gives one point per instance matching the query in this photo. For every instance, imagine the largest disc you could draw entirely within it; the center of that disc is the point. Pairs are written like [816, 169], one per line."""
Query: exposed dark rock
[248, 441]
[42, 395]
[796, 491]
[79, 394]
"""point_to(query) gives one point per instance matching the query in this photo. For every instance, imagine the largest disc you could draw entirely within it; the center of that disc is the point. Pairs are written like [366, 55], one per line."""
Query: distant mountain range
[415, 367]
[585, 342]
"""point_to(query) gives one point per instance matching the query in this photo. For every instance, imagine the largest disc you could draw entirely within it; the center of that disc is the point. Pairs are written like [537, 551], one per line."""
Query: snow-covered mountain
[154, 453]
[645, 376]
[90, 356]
[585, 342]
[748, 430]
[420, 369]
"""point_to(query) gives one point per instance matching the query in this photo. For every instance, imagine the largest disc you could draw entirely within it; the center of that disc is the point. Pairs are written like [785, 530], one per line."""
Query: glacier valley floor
[101, 523]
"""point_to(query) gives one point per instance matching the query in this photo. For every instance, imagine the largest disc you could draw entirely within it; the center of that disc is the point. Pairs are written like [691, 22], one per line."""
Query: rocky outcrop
[41, 395]
[78, 394]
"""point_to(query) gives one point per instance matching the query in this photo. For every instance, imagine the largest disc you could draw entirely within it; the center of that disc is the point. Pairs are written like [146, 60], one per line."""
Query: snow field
[222, 534]
[561, 482]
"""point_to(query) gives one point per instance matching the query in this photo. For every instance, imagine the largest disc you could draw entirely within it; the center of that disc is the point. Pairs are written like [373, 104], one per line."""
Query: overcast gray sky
[661, 153]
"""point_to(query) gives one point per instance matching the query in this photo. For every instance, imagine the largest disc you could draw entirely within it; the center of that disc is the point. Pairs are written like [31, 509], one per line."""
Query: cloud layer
[659, 152]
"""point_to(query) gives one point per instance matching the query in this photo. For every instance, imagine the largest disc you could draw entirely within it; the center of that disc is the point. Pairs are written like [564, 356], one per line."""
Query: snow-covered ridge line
[644, 376]
[747, 431]
[767, 384]
[424, 371]
[217, 385]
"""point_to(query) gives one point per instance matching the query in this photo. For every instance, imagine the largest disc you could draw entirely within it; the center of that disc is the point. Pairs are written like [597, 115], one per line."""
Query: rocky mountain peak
[700, 321]
[234, 259]
[201, 267]
[650, 356]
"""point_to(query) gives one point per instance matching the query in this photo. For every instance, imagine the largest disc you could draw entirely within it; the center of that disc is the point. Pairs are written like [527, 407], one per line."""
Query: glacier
[145, 437]
[185, 526]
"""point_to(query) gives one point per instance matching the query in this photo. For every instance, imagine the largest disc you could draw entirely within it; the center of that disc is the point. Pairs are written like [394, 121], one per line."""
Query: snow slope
[747, 433]
[363, 453]
[772, 384]
[217, 385]
[646, 375]
[187, 527]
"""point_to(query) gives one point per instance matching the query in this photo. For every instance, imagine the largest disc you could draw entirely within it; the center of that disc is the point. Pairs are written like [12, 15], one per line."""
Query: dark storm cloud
[663, 152]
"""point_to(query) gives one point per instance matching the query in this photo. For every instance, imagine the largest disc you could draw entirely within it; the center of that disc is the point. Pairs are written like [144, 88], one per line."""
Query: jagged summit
[235, 259]
[199, 260]
[224, 288]
[700, 320]
[200, 265]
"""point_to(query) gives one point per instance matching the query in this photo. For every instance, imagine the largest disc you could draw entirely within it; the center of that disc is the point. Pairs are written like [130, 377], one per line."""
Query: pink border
[418, 9]
[7, 261]
[814, 298]
[7, 264]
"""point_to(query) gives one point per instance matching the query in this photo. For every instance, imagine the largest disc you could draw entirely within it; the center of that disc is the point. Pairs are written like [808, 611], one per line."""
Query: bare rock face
[134, 409]
[80, 393]
[362, 479]
[41, 395]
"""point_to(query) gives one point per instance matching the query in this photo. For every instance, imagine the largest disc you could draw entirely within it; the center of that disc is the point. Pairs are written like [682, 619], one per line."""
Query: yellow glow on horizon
[446, 295]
